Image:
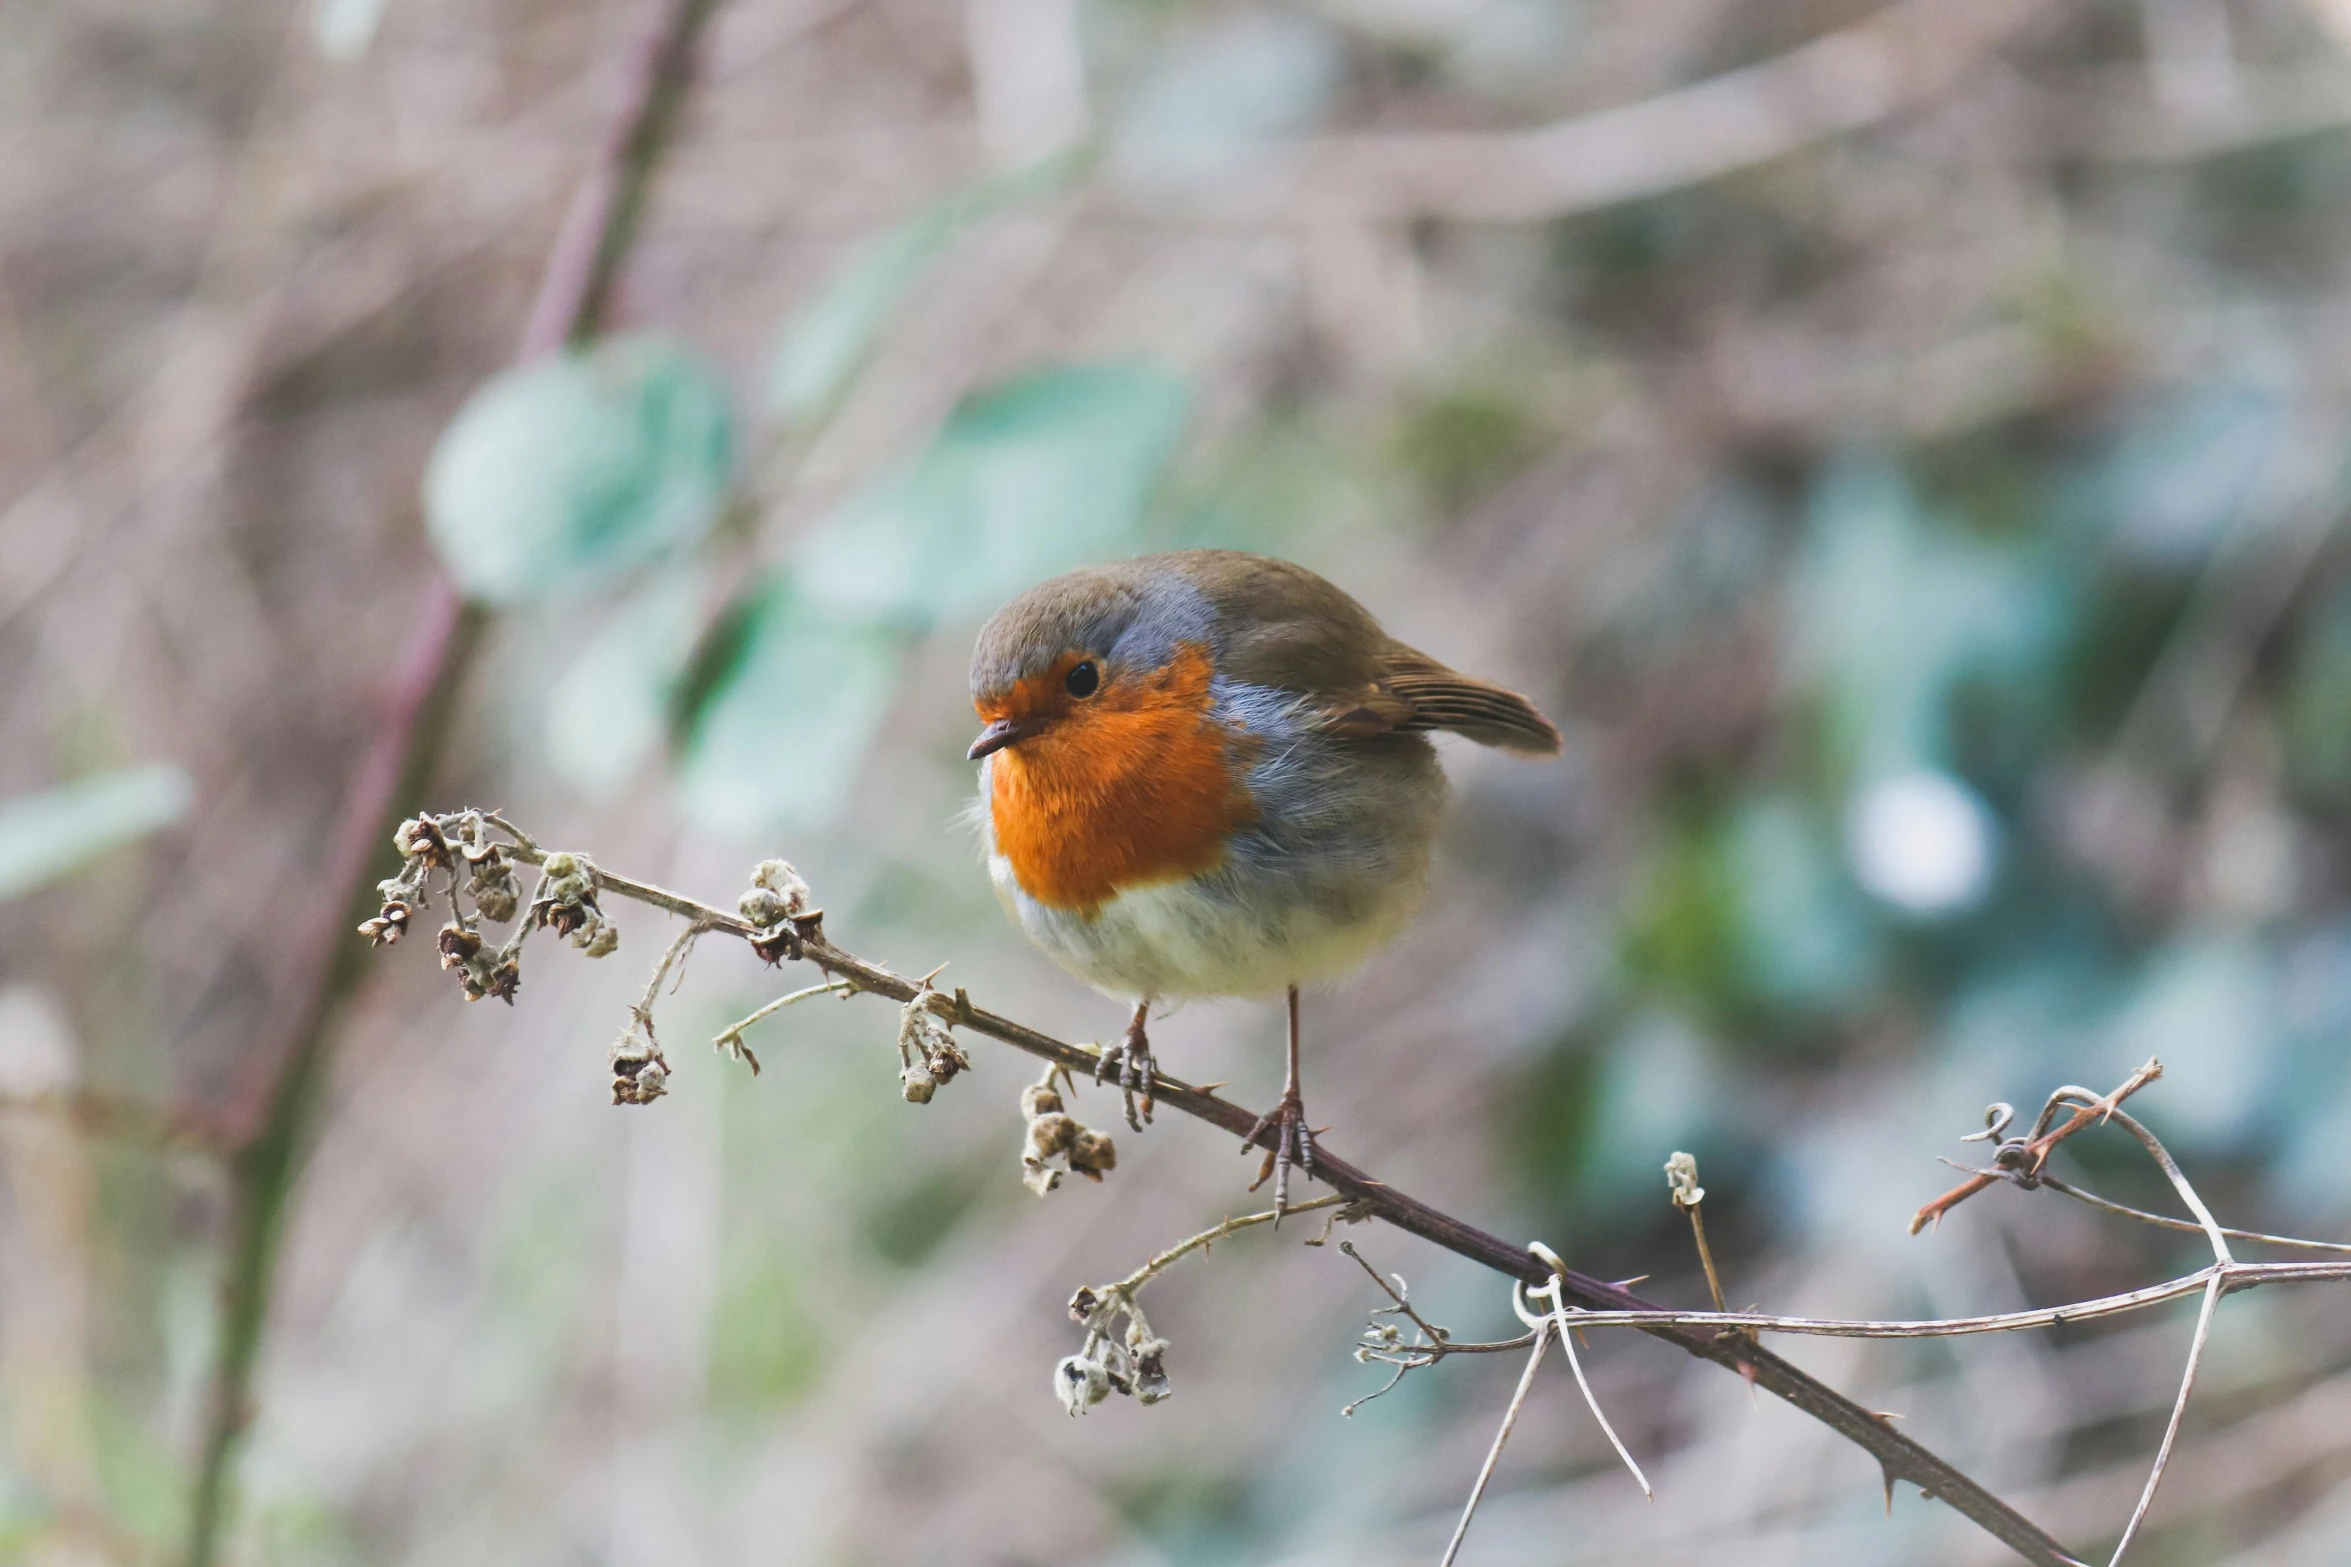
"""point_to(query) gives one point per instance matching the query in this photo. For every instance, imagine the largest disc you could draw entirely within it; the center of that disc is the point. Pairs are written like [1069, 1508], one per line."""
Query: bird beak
[1002, 733]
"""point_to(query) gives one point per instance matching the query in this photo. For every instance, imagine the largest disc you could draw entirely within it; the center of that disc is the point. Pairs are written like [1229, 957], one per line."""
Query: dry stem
[275, 1101]
[2028, 1157]
[1897, 1454]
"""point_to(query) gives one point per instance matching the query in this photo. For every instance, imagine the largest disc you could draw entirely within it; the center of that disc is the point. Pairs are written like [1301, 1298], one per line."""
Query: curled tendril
[1997, 1115]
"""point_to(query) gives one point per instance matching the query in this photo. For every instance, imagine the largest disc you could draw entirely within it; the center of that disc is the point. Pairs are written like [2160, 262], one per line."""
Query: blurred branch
[791, 931]
[1846, 80]
[274, 1115]
[119, 1118]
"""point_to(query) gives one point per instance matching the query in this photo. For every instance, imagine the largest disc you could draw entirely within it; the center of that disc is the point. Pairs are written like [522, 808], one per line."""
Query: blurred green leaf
[570, 470]
[1892, 610]
[780, 737]
[1681, 929]
[1465, 442]
[48, 834]
[828, 341]
[766, 1347]
[2184, 472]
[1026, 479]
[2318, 703]
[1806, 940]
[906, 1215]
[609, 710]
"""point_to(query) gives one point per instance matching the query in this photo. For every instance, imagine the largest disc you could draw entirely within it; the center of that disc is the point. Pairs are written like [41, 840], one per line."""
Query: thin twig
[1439, 1340]
[731, 1041]
[1706, 1258]
[1556, 1292]
[678, 947]
[2170, 1167]
[1896, 1453]
[2179, 1409]
[1135, 1361]
[1160, 1263]
[2185, 1226]
[1681, 1179]
[2035, 1153]
[2235, 1276]
[2212, 1294]
[1518, 1400]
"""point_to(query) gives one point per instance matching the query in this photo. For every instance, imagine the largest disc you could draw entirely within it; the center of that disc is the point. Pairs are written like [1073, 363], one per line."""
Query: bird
[1207, 773]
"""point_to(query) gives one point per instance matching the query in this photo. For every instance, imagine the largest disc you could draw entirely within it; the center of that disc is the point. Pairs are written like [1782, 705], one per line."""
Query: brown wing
[1412, 691]
[1281, 625]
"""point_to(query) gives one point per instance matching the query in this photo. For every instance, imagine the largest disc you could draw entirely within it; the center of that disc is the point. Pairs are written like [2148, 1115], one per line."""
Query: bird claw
[1136, 1073]
[1292, 1146]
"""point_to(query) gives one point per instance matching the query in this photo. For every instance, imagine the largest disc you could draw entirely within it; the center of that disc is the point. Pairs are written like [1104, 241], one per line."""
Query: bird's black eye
[1084, 680]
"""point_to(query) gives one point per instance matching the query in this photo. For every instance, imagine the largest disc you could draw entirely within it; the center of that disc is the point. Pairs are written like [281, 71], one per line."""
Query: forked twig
[2184, 1226]
[1556, 1291]
[2028, 1157]
[802, 937]
[730, 1039]
[1542, 1328]
[2179, 1409]
[1518, 1398]
[1135, 1361]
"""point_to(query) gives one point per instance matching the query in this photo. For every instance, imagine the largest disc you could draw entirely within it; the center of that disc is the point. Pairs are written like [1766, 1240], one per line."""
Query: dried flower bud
[1092, 1155]
[1084, 1303]
[1053, 1134]
[1038, 1176]
[458, 946]
[390, 925]
[762, 906]
[496, 893]
[1150, 1363]
[1040, 1099]
[1080, 1384]
[779, 877]
[471, 836]
[927, 1050]
[1681, 1178]
[598, 940]
[567, 898]
[502, 980]
[419, 838]
[639, 1073]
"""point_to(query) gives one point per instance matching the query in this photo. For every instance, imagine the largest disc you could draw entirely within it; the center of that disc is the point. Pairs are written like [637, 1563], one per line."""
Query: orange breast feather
[1134, 786]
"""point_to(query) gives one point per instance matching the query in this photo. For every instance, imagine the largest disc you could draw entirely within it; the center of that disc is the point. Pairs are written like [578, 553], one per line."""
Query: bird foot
[1292, 1145]
[1131, 1065]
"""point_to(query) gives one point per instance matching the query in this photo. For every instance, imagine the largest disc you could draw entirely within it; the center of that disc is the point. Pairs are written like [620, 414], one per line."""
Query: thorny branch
[779, 926]
[1121, 1352]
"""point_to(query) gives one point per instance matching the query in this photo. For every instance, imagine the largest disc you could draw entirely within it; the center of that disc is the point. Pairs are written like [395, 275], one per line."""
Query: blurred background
[1903, 443]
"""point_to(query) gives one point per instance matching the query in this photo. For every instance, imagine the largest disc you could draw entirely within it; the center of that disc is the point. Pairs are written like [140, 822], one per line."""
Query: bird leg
[1293, 1142]
[1137, 1071]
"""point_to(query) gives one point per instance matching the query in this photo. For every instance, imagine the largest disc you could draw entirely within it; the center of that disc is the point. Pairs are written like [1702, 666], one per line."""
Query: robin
[1208, 774]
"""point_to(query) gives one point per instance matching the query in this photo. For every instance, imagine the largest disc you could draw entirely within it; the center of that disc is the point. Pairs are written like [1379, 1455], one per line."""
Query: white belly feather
[1183, 940]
